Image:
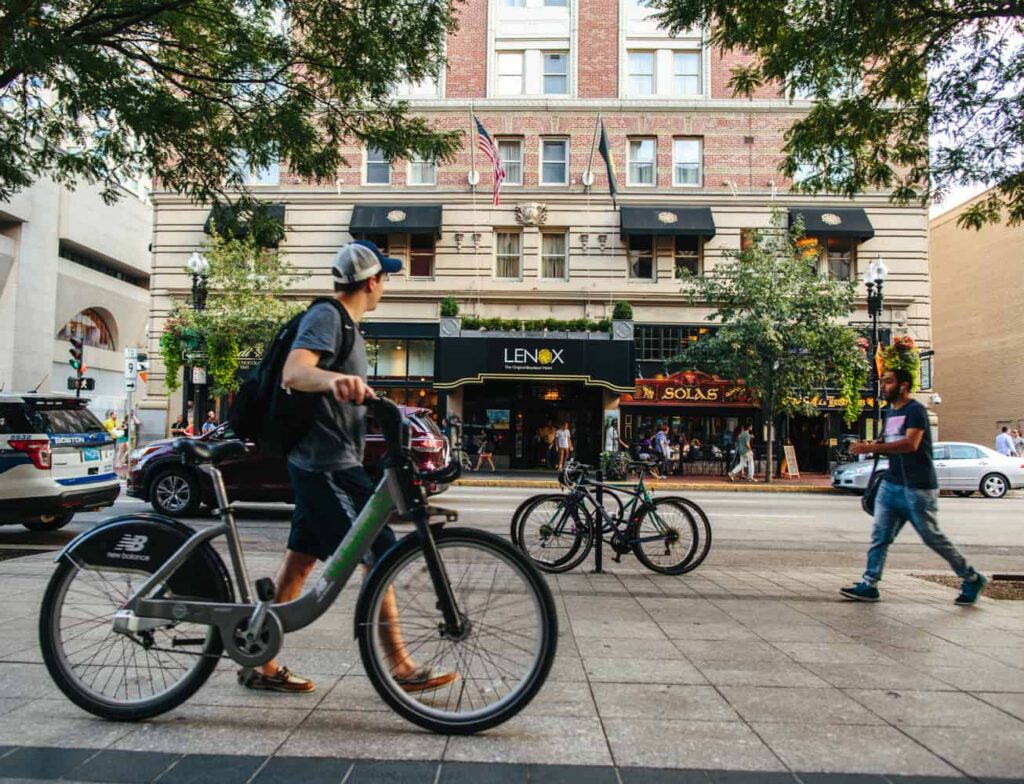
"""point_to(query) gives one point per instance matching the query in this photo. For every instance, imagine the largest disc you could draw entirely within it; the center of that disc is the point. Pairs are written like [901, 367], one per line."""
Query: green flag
[609, 163]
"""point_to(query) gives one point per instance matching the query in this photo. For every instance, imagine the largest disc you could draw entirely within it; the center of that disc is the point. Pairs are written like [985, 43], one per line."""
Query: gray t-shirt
[336, 438]
[743, 443]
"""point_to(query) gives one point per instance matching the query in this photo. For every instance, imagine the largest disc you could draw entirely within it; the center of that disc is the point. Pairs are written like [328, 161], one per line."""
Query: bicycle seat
[206, 452]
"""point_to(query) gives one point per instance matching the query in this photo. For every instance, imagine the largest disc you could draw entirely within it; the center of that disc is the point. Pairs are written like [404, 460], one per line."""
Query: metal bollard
[599, 544]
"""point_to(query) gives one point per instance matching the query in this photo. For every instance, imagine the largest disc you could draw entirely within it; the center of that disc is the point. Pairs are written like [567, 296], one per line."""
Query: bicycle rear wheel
[113, 675]
[703, 531]
[513, 528]
[664, 536]
[502, 659]
[556, 534]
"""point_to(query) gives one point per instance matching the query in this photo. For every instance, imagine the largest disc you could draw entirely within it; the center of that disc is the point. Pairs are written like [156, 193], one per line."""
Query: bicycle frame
[389, 497]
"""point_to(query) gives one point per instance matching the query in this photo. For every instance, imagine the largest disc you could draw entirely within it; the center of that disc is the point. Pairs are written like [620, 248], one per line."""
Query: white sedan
[962, 468]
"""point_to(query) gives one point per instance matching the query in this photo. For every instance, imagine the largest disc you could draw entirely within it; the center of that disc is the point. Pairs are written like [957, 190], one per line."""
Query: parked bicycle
[669, 535]
[141, 609]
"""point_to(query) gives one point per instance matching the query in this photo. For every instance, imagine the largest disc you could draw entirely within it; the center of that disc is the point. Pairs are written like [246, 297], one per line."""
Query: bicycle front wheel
[488, 674]
[664, 536]
[556, 534]
[703, 531]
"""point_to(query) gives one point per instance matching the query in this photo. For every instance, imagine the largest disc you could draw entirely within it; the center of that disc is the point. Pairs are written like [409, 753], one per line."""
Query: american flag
[490, 149]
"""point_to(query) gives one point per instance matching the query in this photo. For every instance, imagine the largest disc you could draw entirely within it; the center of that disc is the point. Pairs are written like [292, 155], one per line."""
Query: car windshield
[425, 422]
[60, 418]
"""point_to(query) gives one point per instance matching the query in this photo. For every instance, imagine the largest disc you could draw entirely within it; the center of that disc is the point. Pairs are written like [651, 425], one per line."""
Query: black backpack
[263, 411]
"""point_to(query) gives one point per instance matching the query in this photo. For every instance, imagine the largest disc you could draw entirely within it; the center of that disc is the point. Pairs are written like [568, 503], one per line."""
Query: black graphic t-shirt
[914, 469]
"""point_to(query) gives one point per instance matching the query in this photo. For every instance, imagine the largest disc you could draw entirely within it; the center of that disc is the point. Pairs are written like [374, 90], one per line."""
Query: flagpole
[593, 146]
[473, 176]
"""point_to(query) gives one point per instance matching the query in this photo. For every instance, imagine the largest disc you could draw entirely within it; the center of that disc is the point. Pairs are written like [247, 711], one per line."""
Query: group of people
[184, 426]
[554, 444]
[1010, 443]
[118, 430]
[667, 445]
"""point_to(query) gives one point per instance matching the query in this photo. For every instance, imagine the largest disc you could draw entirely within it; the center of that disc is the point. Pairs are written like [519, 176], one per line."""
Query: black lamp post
[199, 266]
[874, 280]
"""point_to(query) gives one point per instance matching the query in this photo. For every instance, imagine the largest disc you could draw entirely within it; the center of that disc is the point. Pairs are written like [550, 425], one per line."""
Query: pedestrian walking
[662, 450]
[612, 442]
[1004, 443]
[486, 452]
[1018, 443]
[744, 454]
[909, 492]
[326, 465]
[563, 442]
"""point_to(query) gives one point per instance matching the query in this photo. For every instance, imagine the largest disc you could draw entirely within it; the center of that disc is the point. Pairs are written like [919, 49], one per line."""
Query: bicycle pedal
[617, 558]
[265, 589]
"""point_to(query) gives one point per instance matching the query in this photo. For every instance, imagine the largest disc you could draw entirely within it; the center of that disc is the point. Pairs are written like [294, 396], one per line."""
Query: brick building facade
[538, 74]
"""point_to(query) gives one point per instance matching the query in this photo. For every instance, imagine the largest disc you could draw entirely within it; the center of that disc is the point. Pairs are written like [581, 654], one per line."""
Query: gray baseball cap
[361, 260]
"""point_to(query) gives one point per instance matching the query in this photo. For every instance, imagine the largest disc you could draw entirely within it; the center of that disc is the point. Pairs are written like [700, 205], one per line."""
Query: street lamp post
[874, 280]
[199, 266]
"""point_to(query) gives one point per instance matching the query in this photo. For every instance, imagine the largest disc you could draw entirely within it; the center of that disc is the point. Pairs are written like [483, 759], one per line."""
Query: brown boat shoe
[425, 679]
[283, 680]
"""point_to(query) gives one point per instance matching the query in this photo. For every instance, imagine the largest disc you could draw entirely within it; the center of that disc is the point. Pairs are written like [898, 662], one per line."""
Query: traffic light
[76, 355]
[142, 366]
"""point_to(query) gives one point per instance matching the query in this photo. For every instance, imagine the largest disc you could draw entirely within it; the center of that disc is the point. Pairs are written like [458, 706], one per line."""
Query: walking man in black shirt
[909, 492]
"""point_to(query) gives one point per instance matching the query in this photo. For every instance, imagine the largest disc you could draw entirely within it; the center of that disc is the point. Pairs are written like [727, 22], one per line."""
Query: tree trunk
[771, 450]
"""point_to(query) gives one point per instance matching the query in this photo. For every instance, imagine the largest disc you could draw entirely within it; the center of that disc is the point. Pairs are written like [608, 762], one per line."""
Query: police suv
[56, 458]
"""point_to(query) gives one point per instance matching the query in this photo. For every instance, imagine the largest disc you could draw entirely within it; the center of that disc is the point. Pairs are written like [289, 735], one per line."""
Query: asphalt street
[750, 529]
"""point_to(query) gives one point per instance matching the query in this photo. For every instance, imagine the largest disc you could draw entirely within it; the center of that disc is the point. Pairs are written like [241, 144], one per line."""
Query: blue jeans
[896, 505]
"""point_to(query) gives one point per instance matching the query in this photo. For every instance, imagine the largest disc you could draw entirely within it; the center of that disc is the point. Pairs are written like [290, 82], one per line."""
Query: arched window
[90, 328]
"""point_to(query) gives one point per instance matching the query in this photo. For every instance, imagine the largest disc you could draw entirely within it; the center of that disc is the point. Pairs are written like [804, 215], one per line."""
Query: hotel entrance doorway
[515, 414]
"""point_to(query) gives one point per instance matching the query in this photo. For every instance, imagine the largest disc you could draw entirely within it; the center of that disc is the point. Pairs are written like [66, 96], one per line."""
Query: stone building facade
[539, 74]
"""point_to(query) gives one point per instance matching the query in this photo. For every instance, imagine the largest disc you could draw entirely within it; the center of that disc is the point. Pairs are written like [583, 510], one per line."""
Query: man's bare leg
[288, 585]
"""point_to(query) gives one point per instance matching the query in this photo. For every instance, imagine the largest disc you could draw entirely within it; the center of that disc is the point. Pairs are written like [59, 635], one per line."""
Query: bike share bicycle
[141, 609]
[669, 535]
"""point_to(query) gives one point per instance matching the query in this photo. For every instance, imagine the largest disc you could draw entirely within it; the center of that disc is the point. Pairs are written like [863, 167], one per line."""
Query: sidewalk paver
[729, 674]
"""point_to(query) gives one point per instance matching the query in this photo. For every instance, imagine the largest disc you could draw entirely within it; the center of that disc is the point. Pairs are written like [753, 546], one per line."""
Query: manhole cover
[8, 552]
[1001, 586]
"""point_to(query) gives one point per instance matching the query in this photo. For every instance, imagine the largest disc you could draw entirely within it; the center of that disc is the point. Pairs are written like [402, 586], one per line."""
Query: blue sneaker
[861, 592]
[970, 590]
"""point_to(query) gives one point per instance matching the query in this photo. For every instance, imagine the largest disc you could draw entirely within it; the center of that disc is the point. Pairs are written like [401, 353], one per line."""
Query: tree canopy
[197, 91]
[782, 330]
[912, 96]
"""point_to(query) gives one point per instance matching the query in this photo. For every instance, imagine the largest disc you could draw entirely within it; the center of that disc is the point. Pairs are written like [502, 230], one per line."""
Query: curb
[656, 485]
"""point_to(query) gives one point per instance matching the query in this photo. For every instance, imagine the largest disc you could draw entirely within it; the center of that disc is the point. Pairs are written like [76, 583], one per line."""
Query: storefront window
[421, 255]
[688, 255]
[391, 359]
[421, 359]
[641, 257]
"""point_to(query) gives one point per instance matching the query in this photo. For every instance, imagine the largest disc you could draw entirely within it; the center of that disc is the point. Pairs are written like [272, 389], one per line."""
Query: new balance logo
[131, 543]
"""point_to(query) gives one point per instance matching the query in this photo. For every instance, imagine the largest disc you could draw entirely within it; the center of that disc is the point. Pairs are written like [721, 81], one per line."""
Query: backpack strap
[348, 329]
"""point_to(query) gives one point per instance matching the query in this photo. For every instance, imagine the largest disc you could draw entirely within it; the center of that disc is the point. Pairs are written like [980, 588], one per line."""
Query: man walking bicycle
[909, 492]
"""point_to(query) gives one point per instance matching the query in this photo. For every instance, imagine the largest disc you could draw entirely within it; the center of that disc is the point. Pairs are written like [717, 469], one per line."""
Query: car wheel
[175, 492]
[994, 486]
[963, 493]
[50, 522]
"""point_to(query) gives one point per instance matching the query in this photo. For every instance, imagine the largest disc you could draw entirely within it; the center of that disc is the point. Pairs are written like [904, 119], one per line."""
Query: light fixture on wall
[584, 241]
[602, 240]
[458, 240]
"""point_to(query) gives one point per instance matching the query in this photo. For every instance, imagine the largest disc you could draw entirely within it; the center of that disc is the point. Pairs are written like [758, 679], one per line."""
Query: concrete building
[72, 266]
[696, 167]
[977, 284]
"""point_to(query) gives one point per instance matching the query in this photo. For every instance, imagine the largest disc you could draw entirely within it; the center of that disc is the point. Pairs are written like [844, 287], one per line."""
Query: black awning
[671, 221]
[233, 220]
[396, 219]
[834, 222]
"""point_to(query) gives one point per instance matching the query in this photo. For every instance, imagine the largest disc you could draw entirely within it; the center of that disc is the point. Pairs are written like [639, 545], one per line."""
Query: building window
[554, 168]
[421, 359]
[841, 257]
[656, 343]
[686, 70]
[268, 175]
[382, 241]
[641, 257]
[378, 168]
[422, 172]
[642, 157]
[421, 255]
[556, 73]
[514, 3]
[511, 151]
[641, 73]
[554, 259]
[89, 327]
[688, 255]
[508, 250]
[510, 73]
[556, 3]
[87, 259]
[686, 162]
